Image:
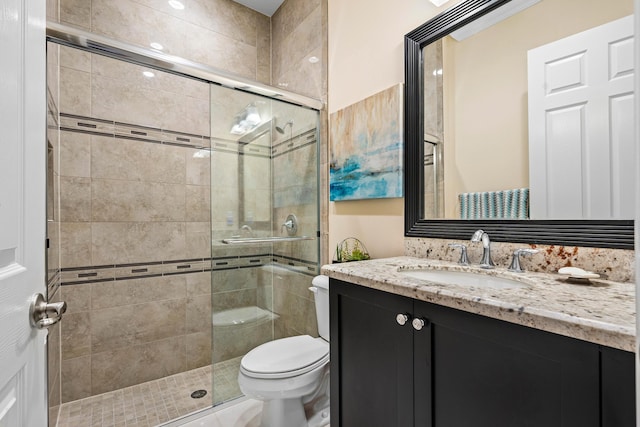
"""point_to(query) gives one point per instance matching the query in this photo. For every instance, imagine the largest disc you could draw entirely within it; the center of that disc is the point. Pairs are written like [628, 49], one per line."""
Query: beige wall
[366, 56]
[486, 94]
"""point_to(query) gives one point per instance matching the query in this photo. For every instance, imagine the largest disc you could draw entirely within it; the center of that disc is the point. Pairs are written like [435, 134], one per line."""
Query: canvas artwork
[366, 151]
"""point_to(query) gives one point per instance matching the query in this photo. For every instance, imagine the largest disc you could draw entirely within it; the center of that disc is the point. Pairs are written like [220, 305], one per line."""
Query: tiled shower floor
[154, 402]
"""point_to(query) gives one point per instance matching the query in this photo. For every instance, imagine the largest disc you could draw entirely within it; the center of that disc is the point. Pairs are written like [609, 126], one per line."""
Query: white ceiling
[266, 7]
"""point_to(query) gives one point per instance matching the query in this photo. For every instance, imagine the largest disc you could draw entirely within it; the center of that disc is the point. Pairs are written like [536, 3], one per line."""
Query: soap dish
[578, 275]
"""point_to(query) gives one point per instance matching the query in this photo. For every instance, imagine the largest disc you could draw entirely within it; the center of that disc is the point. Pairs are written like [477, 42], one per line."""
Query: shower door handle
[43, 314]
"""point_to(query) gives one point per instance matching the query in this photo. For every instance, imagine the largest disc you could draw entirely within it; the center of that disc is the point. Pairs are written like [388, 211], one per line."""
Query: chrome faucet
[486, 261]
[515, 261]
[464, 259]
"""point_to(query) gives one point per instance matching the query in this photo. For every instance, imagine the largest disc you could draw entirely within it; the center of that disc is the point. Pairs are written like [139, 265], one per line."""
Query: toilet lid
[289, 356]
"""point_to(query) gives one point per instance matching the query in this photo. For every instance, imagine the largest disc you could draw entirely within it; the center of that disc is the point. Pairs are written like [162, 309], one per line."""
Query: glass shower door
[263, 174]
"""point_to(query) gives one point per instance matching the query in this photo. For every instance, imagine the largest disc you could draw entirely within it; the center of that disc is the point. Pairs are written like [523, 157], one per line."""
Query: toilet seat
[286, 357]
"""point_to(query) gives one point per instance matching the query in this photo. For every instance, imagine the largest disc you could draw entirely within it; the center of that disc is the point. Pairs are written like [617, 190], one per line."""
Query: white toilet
[291, 375]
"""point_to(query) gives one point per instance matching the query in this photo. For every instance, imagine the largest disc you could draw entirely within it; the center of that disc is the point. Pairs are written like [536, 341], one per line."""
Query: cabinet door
[371, 358]
[618, 388]
[486, 373]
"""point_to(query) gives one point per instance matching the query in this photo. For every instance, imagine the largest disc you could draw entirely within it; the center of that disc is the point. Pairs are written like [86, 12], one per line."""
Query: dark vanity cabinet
[460, 369]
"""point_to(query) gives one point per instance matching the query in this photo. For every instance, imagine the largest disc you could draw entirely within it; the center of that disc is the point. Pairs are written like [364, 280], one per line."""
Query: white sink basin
[464, 278]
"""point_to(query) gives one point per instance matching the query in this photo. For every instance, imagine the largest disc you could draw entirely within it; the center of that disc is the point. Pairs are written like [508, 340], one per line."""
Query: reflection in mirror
[254, 169]
[433, 132]
[481, 150]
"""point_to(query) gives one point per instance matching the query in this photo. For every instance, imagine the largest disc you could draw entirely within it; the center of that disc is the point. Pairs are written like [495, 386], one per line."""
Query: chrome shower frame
[74, 37]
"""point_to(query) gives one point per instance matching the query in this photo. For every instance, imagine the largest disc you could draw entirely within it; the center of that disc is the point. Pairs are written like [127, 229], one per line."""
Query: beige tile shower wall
[130, 201]
[53, 166]
[53, 221]
[53, 367]
[219, 33]
[294, 303]
[236, 288]
[295, 180]
[299, 33]
[126, 200]
[96, 86]
[298, 36]
[125, 332]
[226, 104]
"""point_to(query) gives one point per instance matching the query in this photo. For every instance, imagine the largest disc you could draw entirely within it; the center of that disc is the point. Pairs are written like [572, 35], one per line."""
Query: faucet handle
[464, 259]
[515, 261]
[290, 225]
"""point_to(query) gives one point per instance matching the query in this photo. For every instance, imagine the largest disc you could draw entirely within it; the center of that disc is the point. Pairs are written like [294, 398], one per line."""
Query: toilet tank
[320, 289]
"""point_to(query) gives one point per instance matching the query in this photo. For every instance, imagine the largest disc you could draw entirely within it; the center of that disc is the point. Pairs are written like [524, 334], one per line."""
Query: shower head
[281, 129]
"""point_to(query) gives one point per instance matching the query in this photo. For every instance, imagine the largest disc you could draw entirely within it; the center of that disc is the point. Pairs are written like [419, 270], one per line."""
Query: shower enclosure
[183, 233]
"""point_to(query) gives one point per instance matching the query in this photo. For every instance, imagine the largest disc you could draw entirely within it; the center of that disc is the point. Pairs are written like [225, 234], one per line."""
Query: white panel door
[581, 125]
[23, 401]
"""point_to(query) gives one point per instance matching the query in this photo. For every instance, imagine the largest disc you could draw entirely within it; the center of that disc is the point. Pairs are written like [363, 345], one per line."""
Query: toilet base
[318, 415]
[283, 412]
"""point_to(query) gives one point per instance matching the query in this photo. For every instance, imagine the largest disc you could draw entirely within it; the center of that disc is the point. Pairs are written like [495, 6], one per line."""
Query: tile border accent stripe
[108, 273]
[95, 126]
[134, 132]
[52, 111]
[53, 284]
[297, 264]
[302, 140]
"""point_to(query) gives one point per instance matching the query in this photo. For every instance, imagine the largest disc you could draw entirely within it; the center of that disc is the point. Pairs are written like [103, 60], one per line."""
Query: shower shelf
[274, 239]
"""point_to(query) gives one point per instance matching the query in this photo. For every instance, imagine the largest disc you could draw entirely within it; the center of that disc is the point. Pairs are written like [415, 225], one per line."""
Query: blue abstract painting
[366, 148]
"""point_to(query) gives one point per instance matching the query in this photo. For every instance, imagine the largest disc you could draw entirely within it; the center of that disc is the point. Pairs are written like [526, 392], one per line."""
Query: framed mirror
[429, 127]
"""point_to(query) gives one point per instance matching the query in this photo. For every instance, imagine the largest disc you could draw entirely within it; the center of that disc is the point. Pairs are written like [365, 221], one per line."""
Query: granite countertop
[602, 312]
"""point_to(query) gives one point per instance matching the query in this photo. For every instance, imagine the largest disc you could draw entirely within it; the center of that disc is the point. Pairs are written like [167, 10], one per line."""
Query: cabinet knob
[402, 319]
[418, 323]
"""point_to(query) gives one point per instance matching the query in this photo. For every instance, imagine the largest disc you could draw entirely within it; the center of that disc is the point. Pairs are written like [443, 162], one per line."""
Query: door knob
[43, 314]
[418, 323]
[402, 319]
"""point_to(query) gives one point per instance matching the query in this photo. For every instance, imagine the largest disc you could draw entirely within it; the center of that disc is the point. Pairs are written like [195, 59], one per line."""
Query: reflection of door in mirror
[485, 129]
[581, 125]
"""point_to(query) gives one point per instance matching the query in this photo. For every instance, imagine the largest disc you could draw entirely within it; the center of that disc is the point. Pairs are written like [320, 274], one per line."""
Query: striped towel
[506, 204]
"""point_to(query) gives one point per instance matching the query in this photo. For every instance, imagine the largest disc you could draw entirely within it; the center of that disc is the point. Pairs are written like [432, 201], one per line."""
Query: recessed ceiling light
[176, 4]
[313, 59]
[438, 3]
[148, 74]
[281, 84]
[156, 46]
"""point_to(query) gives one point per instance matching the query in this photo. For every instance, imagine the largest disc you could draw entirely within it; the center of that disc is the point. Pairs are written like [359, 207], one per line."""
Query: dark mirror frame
[591, 233]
